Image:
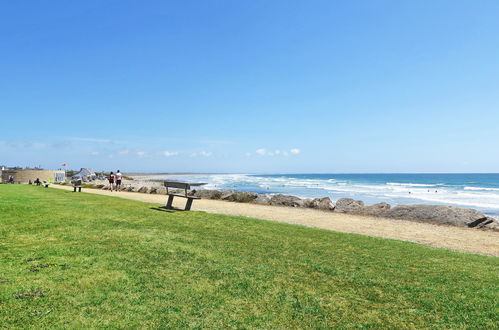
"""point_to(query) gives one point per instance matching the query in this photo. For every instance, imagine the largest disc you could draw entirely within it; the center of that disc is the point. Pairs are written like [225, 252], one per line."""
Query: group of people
[37, 182]
[115, 181]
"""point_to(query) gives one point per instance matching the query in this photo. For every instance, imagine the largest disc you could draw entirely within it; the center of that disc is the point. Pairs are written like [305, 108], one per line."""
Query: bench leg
[169, 203]
[79, 189]
[74, 189]
[188, 204]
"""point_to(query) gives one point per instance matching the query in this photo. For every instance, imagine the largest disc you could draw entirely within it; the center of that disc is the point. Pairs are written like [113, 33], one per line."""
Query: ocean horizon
[472, 190]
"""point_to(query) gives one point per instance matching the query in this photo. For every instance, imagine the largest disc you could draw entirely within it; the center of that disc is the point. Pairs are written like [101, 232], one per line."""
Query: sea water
[479, 191]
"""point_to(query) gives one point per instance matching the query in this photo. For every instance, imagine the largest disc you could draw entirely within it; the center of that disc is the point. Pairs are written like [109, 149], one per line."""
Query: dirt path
[454, 238]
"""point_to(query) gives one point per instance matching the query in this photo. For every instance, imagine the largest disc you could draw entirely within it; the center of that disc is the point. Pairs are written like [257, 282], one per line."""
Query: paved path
[454, 238]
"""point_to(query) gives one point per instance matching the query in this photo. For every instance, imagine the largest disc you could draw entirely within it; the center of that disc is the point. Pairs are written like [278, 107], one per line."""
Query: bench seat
[183, 196]
[181, 185]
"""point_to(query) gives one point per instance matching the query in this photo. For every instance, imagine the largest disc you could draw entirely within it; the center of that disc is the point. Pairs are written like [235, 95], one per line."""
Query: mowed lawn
[82, 260]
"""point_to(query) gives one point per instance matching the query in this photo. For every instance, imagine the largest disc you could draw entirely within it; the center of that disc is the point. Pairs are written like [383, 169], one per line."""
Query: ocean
[478, 191]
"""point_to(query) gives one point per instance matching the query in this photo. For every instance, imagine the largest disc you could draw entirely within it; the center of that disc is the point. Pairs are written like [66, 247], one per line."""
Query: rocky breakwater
[449, 215]
[251, 197]
[442, 214]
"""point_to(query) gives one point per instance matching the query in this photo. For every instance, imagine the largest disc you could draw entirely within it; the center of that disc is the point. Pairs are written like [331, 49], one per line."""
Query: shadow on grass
[164, 209]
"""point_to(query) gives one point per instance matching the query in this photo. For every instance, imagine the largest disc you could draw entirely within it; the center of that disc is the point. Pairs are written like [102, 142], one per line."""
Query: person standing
[111, 179]
[119, 177]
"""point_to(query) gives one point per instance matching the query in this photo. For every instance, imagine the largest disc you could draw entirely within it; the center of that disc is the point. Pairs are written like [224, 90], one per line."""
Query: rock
[153, 190]
[262, 199]
[450, 215]
[130, 189]
[491, 223]
[308, 202]
[286, 200]
[324, 203]
[143, 190]
[209, 194]
[241, 197]
[377, 210]
[226, 194]
[214, 194]
[161, 191]
[348, 205]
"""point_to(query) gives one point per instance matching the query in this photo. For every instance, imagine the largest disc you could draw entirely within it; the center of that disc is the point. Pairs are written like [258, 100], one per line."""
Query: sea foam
[485, 199]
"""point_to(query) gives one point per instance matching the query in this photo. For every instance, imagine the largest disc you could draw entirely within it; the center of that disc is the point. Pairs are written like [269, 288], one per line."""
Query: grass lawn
[82, 260]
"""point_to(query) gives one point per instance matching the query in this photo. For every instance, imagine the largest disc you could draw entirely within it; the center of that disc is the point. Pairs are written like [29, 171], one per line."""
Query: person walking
[119, 177]
[111, 179]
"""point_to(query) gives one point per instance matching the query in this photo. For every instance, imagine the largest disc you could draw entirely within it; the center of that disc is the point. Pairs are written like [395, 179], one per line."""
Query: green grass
[82, 260]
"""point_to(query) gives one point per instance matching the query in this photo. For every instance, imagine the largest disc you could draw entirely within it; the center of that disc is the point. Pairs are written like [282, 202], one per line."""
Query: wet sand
[449, 237]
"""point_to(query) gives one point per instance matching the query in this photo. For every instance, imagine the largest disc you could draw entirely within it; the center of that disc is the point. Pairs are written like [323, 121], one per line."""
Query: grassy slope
[116, 262]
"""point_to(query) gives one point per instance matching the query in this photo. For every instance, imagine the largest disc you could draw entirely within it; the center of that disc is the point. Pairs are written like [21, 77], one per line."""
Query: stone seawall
[24, 176]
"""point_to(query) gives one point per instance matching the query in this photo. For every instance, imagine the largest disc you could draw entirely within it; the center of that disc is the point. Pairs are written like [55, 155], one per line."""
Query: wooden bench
[179, 185]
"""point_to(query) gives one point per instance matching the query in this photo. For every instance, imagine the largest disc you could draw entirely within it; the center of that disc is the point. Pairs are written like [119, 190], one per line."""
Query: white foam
[481, 188]
[412, 184]
[394, 192]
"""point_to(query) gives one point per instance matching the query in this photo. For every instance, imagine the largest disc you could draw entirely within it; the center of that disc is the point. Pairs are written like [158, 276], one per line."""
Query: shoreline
[434, 213]
[153, 185]
[477, 191]
[435, 235]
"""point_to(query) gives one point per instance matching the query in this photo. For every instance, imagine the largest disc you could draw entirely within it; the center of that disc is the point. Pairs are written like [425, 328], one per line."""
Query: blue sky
[251, 86]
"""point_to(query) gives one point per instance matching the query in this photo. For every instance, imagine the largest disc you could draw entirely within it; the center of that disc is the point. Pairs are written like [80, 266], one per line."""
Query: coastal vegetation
[83, 260]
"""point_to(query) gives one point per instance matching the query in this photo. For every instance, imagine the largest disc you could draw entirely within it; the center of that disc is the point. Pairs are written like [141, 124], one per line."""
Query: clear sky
[251, 86]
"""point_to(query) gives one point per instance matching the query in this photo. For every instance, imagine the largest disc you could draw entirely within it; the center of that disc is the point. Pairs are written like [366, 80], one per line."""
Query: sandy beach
[449, 237]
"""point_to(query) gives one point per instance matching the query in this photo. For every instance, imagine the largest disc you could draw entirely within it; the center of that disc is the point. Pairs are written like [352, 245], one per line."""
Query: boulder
[143, 190]
[450, 215]
[130, 189]
[490, 223]
[153, 190]
[286, 200]
[240, 196]
[348, 205]
[308, 202]
[214, 194]
[161, 191]
[324, 203]
[377, 210]
[262, 199]
[209, 194]
[226, 194]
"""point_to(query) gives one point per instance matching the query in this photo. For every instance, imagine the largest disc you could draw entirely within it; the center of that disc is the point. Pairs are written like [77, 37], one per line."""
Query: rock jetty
[442, 214]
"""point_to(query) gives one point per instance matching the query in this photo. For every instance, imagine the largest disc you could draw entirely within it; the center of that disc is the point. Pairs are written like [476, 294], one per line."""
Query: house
[85, 174]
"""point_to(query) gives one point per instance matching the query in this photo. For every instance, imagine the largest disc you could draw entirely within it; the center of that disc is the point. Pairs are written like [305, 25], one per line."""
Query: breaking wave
[481, 189]
[370, 190]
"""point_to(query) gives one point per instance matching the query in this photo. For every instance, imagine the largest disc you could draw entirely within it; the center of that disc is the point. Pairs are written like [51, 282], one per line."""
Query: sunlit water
[479, 191]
